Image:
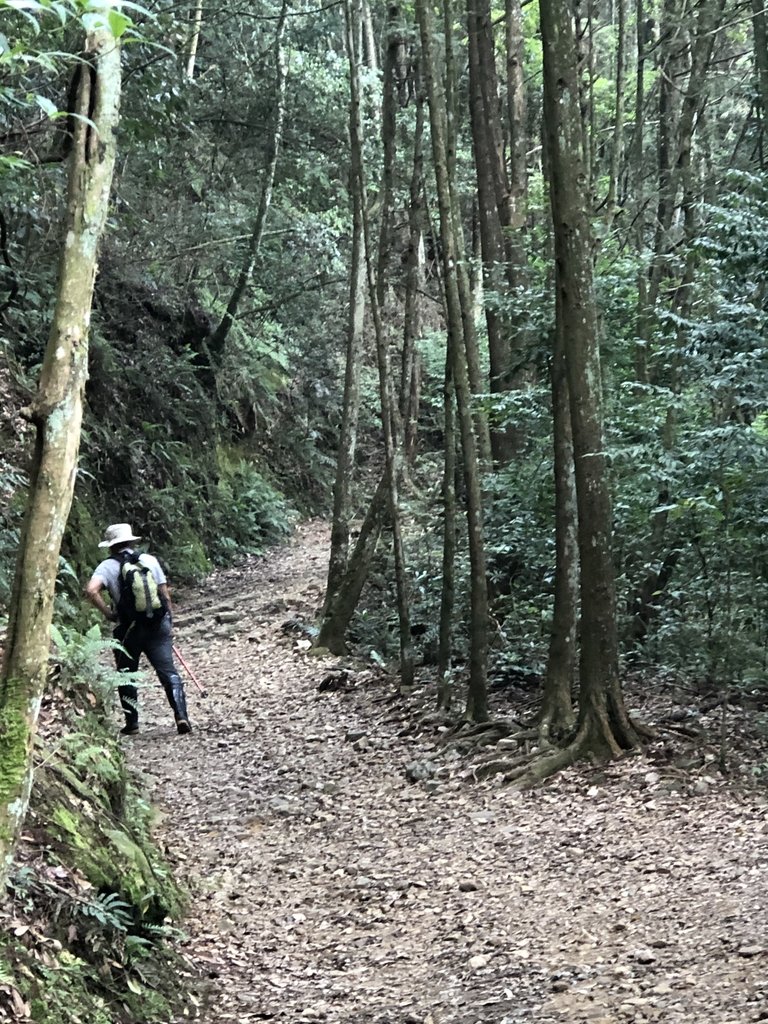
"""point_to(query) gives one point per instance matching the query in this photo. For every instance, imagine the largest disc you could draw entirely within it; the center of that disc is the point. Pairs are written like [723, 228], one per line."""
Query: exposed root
[497, 766]
[538, 769]
[645, 732]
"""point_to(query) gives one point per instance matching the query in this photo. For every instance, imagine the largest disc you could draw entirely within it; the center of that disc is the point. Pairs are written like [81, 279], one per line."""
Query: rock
[362, 744]
[467, 886]
[224, 617]
[280, 805]
[560, 986]
[476, 962]
[750, 951]
[419, 771]
[643, 956]
[353, 735]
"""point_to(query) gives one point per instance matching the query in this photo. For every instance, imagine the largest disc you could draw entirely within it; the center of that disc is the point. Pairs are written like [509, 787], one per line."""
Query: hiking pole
[188, 670]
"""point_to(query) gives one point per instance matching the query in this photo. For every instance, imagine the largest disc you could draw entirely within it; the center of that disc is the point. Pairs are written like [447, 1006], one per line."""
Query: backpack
[140, 599]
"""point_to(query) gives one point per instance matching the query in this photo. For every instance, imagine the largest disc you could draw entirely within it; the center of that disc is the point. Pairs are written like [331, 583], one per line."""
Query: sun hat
[118, 533]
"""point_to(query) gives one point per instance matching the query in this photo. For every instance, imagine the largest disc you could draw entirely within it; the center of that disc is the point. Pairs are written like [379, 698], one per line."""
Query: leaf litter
[342, 869]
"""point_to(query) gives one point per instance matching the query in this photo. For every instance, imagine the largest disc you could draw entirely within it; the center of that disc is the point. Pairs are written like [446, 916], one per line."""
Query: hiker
[141, 607]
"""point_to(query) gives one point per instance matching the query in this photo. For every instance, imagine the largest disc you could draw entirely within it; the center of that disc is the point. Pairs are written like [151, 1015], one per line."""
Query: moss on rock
[87, 933]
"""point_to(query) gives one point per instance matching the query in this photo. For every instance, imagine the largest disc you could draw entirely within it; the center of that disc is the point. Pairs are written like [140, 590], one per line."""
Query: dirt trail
[326, 887]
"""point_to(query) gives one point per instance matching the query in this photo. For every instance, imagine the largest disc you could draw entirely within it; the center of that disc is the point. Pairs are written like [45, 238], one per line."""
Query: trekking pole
[188, 670]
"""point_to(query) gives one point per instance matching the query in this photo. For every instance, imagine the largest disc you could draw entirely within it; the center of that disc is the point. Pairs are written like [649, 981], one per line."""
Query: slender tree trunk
[345, 458]
[517, 204]
[491, 236]
[760, 36]
[643, 319]
[219, 336]
[604, 726]
[350, 408]
[414, 285]
[57, 415]
[476, 378]
[557, 717]
[618, 128]
[389, 139]
[448, 584]
[352, 15]
[333, 630]
[194, 39]
[477, 699]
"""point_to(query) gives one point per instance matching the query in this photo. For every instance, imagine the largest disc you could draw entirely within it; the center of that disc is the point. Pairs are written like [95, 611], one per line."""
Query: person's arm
[93, 594]
[165, 594]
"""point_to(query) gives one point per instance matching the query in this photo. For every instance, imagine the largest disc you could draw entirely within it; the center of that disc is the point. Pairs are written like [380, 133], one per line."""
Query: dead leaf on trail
[328, 887]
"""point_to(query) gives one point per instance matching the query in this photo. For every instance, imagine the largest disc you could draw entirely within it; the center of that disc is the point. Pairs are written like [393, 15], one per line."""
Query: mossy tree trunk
[57, 415]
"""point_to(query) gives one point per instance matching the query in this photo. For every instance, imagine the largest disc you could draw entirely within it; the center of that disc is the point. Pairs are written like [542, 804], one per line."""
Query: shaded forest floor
[327, 887]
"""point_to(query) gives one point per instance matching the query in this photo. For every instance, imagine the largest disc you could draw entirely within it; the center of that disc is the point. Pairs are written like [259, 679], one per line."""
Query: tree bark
[477, 697]
[345, 458]
[557, 717]
[760, 36]
[194, 39]
[352, 15]
[57, 415]
[604, 725]
[448, 582]
[618, 128]
[414, 286]
[333, 630]
[489, 196]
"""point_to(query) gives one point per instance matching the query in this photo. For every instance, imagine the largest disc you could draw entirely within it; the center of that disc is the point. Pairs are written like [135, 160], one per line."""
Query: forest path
[326, 887]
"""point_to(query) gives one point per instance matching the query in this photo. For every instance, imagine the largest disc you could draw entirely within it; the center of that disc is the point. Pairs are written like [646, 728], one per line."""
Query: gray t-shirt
[108, 573]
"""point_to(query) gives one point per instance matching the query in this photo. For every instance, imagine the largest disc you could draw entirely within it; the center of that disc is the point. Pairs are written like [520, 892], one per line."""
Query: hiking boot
[130, 729]
[183, 728]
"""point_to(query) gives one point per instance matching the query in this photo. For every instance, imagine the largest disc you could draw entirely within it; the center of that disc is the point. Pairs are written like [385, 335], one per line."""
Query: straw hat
[118, 533]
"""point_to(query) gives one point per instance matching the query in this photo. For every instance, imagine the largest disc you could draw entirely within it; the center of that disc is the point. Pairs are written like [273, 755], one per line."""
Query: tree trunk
[389, 139]
[352, 15]
[448, 584]
[414, 286]
[345, 458]
[194, 39]
[604, 726]
[333, 630]
[618, 128]
[219, 336]
[517, 201]
[760, 35]
[492, 239]
[557, 717]
[57, 414]
[477, 699]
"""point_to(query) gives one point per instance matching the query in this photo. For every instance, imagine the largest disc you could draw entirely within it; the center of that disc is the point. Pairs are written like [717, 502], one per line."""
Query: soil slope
[328, 887]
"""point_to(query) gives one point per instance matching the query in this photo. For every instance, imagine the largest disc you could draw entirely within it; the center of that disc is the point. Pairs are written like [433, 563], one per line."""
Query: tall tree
[57, 413]
[477, 697]
[557, 715]
[386, 384]
[345, 455]
[604, 727]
